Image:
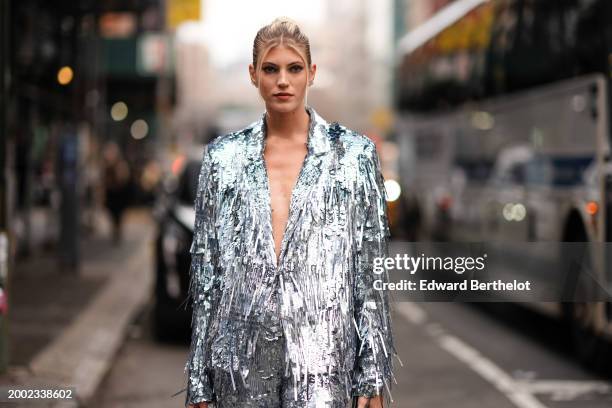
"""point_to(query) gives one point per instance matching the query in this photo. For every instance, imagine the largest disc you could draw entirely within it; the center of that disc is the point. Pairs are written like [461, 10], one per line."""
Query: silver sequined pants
[271, 385]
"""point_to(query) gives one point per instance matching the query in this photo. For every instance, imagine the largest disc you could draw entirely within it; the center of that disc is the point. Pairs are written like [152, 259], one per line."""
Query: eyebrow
[291, 63]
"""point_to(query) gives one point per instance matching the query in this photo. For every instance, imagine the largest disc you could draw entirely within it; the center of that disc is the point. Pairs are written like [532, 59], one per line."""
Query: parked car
[175, 217]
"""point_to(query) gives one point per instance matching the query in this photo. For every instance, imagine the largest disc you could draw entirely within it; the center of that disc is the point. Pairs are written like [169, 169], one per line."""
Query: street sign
[179, 11]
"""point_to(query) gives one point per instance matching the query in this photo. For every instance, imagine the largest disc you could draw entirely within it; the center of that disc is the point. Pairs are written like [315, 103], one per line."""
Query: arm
[204, 257]
[373, 368]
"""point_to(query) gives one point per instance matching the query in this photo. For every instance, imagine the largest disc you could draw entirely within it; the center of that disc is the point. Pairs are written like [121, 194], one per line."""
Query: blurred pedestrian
[116, 187]
[290, 214]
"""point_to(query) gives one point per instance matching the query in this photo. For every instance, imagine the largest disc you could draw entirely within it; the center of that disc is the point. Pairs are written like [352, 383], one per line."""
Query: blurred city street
[51, 300]
[491, 119]
[66, 328]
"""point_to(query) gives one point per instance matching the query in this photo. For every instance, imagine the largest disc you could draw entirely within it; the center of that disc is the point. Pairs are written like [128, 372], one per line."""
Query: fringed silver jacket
[334, 322]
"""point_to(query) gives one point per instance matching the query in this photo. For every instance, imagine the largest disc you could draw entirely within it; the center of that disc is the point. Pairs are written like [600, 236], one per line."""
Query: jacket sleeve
[203, 273]
[373, 368]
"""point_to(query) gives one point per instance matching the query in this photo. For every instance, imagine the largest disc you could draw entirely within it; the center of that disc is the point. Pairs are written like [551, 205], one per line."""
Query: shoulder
[224, 148]
[353, 143]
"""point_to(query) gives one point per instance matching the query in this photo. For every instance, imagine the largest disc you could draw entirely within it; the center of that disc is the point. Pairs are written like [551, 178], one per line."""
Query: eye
[269, 69]
[296, 68]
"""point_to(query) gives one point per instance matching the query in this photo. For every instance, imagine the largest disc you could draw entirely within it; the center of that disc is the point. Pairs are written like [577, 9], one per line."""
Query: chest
[283, 166]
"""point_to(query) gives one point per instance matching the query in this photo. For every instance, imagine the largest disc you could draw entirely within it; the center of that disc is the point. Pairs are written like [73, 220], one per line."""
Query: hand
[198, 405]
[374, 402]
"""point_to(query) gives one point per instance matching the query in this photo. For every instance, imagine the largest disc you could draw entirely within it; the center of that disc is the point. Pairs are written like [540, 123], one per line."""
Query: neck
[288, 125]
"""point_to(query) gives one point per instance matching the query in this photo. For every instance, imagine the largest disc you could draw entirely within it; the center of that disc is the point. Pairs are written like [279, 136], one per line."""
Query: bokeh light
[393, 190]
[139, 129]
[65, 75]
[119, 111]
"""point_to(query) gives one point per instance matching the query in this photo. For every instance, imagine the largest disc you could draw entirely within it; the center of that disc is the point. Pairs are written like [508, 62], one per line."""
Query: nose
[282, 79]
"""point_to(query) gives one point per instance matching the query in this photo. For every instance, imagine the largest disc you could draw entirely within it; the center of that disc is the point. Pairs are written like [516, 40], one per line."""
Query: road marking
[413, 313]
[566, 390]
[490, 371]
[520, 391]
[484, 367]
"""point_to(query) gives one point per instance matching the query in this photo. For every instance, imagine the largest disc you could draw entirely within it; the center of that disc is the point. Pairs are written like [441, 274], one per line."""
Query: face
[283, 79]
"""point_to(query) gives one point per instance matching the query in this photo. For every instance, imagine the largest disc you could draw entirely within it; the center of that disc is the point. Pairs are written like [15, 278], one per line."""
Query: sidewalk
[65, 328]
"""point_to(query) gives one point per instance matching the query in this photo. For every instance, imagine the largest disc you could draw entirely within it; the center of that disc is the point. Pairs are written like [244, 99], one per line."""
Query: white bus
[503, 129]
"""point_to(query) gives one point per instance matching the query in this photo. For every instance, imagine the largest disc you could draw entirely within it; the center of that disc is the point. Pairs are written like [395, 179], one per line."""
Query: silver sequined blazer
[333, 320]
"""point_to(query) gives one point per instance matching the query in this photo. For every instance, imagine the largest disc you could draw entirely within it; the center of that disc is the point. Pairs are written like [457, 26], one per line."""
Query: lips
[282, 96]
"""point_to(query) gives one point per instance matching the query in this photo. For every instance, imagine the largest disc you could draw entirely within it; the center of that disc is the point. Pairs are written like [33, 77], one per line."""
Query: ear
[252, 75]
[312, 73]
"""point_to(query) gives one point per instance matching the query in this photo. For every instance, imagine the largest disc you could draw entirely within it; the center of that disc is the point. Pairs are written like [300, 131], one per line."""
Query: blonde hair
[280, 31]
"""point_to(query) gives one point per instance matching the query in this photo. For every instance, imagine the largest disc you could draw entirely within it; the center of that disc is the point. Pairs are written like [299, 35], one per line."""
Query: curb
[82, 355]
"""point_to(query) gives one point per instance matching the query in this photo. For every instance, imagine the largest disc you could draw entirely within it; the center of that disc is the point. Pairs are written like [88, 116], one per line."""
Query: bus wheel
[587, 342]
[580, 313]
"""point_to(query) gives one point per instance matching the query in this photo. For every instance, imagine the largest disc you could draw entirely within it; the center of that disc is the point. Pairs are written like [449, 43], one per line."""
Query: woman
[290, 213]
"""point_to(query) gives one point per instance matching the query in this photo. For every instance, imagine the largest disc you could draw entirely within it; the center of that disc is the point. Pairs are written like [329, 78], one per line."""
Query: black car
[175, 217]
